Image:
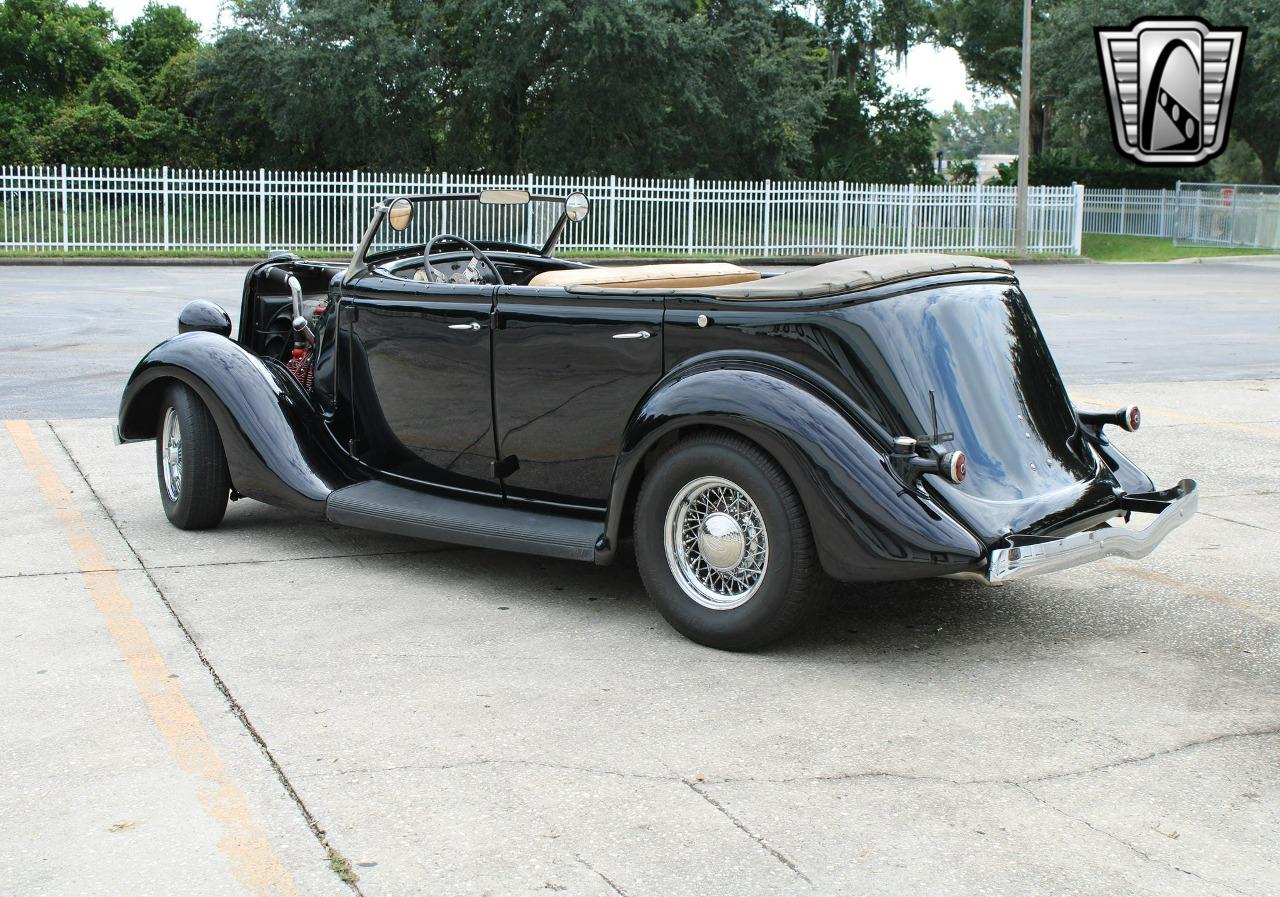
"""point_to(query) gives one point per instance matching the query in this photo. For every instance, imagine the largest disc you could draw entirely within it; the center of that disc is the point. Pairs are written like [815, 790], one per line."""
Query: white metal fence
[1228, 215]
[68, 208]
[1217, 214]
[1135, 213]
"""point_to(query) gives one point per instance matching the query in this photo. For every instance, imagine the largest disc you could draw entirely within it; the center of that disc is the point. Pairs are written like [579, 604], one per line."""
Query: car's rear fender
[865, 525]
[272, 434]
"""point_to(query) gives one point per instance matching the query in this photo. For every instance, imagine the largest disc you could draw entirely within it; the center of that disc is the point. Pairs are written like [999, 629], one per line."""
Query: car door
[419, 378]
[569, 369]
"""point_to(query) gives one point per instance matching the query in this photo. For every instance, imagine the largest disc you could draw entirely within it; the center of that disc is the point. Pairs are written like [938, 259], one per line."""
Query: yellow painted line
[253, 861]
[1220, 598]
[1194, 419]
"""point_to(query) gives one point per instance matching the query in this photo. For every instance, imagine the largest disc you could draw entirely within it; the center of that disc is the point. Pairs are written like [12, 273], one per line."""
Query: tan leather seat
[668, 276]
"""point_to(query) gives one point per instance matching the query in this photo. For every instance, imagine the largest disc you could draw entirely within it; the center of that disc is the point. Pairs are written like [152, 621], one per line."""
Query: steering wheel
[471, 273]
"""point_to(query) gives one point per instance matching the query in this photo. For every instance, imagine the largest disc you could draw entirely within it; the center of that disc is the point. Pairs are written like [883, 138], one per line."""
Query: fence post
[613, 212]
[262, 208]
[689, 219]
[1124, 209]
[355, 208]
[977, 214]
[164, 194]
[768, 191]
[1235, 207]
[528, 211]
[65, 226]
[842, 203]
[1077, 230]
[911, 217]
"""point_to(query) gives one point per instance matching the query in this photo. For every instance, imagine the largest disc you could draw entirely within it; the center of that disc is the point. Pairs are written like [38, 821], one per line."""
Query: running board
[388, 508]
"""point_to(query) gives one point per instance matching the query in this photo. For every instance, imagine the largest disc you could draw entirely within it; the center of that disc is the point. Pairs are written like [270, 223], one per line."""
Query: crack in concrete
[606, 879]
[312, 557]
[1137, 851]
[239, 712]
[1125, 761]
[1048, 777]
[759, 839]
[494, 761]
[69, 572]
[1265, 529]
[408, 552]
[786, 780]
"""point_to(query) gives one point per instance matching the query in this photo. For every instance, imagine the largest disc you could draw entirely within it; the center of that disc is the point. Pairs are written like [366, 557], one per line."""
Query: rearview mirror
[504, 197]
[576, 206]
[400, 214]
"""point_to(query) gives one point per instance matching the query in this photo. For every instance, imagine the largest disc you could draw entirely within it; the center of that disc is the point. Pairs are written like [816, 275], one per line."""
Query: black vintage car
[878, 418]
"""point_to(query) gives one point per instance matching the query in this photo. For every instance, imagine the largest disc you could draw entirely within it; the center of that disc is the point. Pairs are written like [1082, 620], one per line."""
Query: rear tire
[723, 544]
[190, 464]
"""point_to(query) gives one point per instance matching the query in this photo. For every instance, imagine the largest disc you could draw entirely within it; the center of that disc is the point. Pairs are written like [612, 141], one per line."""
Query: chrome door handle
[639, 334]
[474, 325]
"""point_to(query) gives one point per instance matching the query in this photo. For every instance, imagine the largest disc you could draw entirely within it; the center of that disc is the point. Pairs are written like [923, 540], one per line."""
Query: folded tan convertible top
[841, 276]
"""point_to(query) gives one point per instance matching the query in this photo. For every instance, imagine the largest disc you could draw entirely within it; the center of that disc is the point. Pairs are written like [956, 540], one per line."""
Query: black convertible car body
[874, 418]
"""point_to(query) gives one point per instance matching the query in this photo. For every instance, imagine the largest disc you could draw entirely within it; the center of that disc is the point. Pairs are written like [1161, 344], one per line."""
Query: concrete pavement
[212, 713]
[469, 722]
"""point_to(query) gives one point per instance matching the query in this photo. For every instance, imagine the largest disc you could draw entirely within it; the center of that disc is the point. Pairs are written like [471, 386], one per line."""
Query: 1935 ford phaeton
[876, 418]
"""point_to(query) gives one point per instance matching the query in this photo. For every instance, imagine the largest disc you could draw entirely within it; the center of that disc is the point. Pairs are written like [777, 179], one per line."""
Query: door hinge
[504, 468]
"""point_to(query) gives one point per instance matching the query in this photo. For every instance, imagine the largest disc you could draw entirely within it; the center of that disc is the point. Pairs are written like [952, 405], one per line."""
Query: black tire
[792, 584]
[197, 497]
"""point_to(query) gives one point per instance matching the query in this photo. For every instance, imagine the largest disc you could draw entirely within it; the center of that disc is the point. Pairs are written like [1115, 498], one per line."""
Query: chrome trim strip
[1021, 561]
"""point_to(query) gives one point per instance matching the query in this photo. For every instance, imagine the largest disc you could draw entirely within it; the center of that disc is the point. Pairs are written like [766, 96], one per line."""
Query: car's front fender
[270, 431]
[866, 525]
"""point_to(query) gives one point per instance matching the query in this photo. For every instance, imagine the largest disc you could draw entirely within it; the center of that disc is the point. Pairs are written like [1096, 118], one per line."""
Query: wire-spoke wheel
[723, 543]
[716, 543]
[171, 454]
[190, 464]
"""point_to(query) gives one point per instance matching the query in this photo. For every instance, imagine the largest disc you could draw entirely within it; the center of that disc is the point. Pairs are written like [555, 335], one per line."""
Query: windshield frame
[359, 263]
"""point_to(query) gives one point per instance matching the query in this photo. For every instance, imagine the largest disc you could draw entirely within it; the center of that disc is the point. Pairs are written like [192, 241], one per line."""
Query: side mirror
[576, 206]
[400, 214]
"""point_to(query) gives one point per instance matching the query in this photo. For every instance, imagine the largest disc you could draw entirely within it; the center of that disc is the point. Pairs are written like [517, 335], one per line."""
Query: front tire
[723, 544]
[190, 464]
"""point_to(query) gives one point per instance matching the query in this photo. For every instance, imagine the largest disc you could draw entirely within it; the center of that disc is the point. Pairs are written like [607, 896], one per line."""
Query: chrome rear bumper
[1172, 507]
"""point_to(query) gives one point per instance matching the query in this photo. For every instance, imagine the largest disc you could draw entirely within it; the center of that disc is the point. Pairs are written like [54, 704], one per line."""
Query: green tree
[963, 133]
[157, 35]
[88, 135]
[112, 87]
[50, 49]
[871, 133]
[874, 135]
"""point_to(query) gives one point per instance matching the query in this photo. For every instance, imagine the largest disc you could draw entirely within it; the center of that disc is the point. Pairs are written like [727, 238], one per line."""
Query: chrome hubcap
[171, 454]
[716, 543]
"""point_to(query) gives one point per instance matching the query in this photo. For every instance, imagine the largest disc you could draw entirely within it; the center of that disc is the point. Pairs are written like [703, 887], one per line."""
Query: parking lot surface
[249, 709]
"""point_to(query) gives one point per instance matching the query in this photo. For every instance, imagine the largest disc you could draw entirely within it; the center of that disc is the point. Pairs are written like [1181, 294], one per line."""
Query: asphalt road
[249, 709]
[73, 334]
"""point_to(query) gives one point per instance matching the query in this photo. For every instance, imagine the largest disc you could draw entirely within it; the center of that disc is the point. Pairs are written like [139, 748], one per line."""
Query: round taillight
[1132, 418]
[956, 466]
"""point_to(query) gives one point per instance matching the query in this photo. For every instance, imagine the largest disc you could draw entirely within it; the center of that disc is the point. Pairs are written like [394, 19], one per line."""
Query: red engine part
[300, 365]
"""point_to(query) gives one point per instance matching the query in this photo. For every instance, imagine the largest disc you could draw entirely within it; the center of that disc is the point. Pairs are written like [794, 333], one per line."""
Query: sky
[937, 70]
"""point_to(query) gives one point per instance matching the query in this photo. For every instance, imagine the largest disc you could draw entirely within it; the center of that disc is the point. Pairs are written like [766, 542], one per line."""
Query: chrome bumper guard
[1172, 507]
